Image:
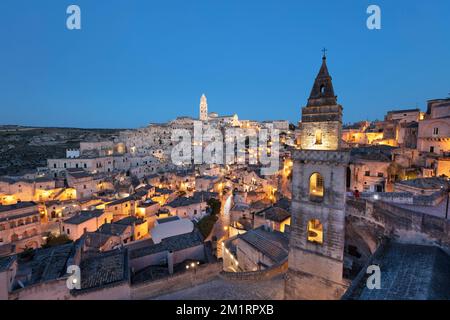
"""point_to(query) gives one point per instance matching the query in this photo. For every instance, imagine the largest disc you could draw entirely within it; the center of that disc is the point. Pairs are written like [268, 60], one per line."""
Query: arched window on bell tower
[316, 187]
[322, 89]
[318, 137]
[315, 231]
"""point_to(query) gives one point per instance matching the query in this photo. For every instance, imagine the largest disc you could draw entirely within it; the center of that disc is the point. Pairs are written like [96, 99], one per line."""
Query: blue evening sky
[141, 61]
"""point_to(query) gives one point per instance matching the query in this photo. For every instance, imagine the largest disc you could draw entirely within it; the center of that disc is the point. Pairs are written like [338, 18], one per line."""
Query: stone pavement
[221, 289]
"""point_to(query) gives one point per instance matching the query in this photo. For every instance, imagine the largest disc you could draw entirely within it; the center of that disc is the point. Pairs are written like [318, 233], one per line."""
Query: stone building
[203, 108]
[20, 225]
[434, 130]
[316, 250]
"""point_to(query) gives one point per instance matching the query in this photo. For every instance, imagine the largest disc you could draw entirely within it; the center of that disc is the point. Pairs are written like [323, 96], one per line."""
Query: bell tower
[203, 108]
[321, 125]
[316, 248]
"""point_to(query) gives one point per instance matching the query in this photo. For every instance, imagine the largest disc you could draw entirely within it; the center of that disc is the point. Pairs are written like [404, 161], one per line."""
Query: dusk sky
[135, 62]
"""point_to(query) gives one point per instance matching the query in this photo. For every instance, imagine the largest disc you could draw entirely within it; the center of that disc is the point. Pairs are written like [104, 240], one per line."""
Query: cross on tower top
[324, 50]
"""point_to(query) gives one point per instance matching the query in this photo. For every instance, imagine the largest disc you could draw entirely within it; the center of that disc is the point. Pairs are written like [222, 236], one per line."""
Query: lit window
[318, 137]
[316, 188]
[315, 231]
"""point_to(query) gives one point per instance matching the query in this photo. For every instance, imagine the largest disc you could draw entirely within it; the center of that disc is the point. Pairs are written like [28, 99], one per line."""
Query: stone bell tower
[316, 250]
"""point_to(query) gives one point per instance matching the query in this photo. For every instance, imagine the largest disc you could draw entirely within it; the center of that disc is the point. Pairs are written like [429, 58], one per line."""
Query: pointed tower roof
[322, 93]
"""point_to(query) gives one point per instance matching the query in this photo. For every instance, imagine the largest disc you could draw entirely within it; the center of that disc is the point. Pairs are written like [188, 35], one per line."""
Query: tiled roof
[113, 229]
[120, 201]
[275, 214]
[273, 244]
[104, 269]
[6, 262]
[409, 272]
[128, 221]
[18, 205]
[183, 201]
[84, 216]
[168, 219]
[48, 264]
[175, 243]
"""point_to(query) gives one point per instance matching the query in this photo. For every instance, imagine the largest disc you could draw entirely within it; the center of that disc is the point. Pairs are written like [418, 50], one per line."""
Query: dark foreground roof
[408, 272]
[6, 262]
[104, 269]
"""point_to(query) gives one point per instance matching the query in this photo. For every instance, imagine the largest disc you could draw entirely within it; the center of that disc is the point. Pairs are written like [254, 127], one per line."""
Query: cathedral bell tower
[203, 108]
[316, 250]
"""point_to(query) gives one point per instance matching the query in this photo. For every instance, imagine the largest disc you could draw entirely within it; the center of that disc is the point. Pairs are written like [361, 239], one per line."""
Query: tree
[206, 225]
[214, 205]
[55, 240]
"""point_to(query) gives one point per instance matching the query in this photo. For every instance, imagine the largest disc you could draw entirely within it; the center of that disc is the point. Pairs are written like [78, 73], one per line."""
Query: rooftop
[46, 264]
[184, 201]
[120, 201]
[78, 173]
[404, 111]
[273, 244]
[84, 216]
[18, 205]
[6, 262]
[426, 183]
[275, 214]
[168, 219]
[104, 269]
[175, 243]
[128, 221]
[409, 272]
[113, 228]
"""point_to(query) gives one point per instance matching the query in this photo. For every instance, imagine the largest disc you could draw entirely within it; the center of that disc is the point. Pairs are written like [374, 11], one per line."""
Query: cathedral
[316, 250]
[203, 108]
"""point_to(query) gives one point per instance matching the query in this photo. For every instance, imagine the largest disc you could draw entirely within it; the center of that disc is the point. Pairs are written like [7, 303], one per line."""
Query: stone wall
[331, 135]
[268, 273]
[381, 219]
[179, 281]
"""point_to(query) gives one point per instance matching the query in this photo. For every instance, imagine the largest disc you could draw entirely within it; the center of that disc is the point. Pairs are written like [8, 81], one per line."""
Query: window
[84, 230]
[432, 149]
[322, 89]
[380, 174]
[316, 188]
[315, 231]
[65, 165]
[319, 137]
[68, 231]
[84, 187]
[85, 165]
[435, 131]
[54, 165]
[367, 173]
